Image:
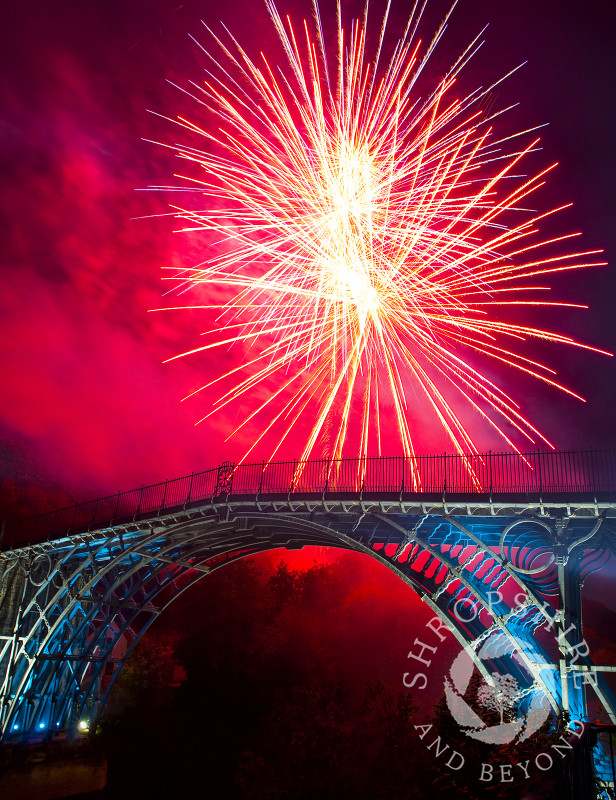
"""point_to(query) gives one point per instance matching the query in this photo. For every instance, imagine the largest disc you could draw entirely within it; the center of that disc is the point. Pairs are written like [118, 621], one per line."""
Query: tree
[280, 698]
[501, 696]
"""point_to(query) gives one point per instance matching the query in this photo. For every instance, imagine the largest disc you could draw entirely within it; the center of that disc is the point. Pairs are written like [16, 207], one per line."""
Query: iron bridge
[498, 545]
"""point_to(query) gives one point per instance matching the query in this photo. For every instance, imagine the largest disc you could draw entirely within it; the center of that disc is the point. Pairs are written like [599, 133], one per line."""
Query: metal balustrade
[536, 474]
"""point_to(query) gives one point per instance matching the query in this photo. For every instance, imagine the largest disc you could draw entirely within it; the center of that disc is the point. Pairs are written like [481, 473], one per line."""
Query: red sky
[87, 406]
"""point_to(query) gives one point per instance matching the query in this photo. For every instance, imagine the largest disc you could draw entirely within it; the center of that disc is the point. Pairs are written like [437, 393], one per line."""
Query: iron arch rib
[76, 606]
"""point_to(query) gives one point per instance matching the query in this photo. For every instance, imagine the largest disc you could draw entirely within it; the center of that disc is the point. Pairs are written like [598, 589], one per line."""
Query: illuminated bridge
[498, 545]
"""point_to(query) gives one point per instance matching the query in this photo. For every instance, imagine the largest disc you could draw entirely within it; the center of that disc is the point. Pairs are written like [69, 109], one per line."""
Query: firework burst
[367, 240]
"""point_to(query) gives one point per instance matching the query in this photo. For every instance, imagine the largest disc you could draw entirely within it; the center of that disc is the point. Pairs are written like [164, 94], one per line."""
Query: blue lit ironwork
[75, 604]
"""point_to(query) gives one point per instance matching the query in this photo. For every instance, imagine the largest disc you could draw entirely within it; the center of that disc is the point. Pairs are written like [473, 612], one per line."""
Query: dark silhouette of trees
[279, 699]
[289, 692]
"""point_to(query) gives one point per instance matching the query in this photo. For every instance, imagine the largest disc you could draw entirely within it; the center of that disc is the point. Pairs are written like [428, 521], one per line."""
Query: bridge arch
[75, 607]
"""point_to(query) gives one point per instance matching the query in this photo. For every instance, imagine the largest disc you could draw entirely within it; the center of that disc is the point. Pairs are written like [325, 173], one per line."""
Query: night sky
[87, 406]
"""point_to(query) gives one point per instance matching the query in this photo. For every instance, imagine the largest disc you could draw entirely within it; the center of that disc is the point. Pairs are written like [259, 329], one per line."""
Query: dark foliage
[276, 702]
[280, 698]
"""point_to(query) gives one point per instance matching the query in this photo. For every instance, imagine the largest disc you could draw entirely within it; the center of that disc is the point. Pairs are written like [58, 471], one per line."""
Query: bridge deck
[578, 482]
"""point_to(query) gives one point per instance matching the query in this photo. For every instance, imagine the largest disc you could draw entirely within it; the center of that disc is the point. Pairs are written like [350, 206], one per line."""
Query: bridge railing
[535, 474]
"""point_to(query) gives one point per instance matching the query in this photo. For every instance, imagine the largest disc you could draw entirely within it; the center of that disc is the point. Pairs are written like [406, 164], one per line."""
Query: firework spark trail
[365, 238]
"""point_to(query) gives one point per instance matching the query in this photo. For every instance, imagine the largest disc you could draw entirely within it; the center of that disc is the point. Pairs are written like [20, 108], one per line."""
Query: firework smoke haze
[366, 241]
